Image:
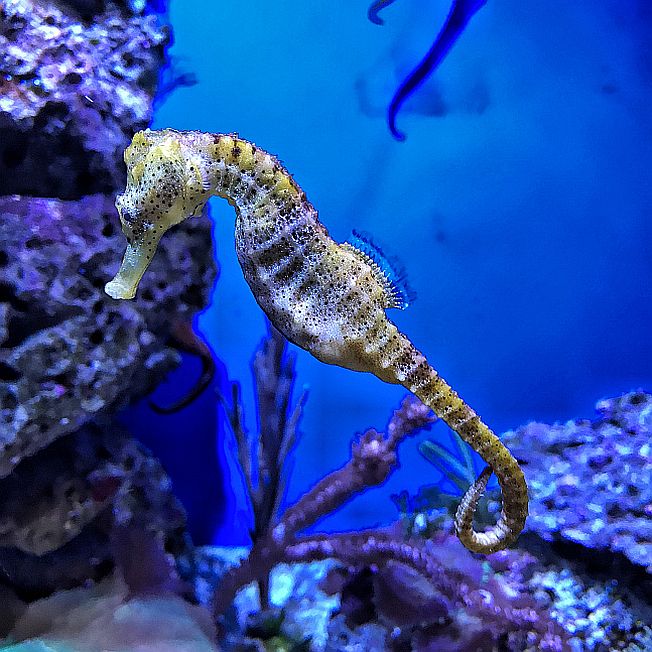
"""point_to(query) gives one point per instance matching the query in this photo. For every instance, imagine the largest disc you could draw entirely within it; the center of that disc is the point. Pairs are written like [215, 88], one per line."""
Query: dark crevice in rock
[21, 326]
[8, 373]
[33, 577]
[14, 148]
[8, 295]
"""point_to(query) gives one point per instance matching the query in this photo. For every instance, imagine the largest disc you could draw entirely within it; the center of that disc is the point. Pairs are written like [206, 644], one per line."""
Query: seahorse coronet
[324, 297]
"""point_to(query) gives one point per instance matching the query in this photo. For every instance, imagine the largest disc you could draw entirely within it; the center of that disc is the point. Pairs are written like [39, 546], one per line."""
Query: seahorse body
[328, 298]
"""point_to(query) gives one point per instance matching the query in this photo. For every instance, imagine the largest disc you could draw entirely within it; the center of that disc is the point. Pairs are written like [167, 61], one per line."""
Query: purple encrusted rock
[589, 481]
[68, 352]
[74, 87]
[69, 511]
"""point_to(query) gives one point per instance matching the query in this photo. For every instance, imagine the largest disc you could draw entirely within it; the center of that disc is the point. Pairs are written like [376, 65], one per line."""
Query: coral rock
[590, 480]
[72, 93]
[68, 352]
[61, 509]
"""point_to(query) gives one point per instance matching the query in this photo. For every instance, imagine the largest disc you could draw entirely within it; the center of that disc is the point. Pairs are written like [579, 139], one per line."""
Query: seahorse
[460, 14]
[326, 297]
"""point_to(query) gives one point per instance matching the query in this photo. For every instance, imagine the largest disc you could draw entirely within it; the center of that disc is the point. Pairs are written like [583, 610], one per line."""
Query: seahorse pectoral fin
[135, 262]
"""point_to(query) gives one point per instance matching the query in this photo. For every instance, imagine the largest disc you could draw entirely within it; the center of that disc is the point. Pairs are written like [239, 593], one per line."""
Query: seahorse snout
[137, 257]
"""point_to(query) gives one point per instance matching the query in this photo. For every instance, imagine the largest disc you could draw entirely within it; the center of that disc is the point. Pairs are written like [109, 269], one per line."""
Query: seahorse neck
[241, 173]
[228, 184]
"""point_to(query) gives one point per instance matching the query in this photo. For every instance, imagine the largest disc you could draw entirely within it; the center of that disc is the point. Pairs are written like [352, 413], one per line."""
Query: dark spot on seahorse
[236, 151]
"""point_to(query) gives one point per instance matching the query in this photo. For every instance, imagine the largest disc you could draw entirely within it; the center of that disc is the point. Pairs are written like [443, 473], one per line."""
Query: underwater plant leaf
[287, 446]
[234, 412]
[184, 338]
[448, 464]
[464, 453]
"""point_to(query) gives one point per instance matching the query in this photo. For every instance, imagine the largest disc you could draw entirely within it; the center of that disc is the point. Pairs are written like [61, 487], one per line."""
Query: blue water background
[520, 204]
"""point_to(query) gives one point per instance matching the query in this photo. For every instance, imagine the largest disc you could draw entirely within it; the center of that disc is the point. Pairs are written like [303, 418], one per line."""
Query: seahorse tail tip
[510, 523]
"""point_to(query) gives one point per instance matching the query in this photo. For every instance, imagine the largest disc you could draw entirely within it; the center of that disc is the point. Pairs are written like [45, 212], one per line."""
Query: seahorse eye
[127, 214]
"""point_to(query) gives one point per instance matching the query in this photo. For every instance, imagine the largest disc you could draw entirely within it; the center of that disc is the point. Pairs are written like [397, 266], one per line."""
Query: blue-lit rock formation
[64, 511]
[77, 494]
[74, 86]
[69, 353]
[590, 481]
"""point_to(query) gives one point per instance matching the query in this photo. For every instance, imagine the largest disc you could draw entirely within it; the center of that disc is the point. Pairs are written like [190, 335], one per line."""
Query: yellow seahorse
[328, 298]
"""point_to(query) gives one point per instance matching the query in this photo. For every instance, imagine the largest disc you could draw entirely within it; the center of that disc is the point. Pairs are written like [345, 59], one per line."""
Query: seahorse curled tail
[427, 385]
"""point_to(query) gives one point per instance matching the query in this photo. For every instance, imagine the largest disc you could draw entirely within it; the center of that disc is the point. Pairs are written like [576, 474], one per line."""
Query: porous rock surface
[60, 508]
[346, 609]
[78, 496]
[68, 352]
[74, 86]
[589, 481]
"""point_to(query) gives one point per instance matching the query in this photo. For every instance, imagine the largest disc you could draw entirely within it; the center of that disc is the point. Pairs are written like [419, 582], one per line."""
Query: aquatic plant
[460, 14]
[425, 512]
[456, 466]
[328, 298]
[184, 338]
[422, 591]
[277, 538]
[262, 458]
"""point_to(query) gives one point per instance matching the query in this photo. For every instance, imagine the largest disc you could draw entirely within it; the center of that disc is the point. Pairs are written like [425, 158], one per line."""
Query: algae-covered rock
[77, 79]
[589, 481]
[68, 352]
[75, 82]
[68, 512]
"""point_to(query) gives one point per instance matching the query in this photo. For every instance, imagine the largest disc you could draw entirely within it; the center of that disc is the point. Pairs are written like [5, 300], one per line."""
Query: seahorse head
[163, 189]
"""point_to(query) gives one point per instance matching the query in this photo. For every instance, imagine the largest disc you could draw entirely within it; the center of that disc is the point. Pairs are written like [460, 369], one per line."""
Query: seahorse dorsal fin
[388, 269]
